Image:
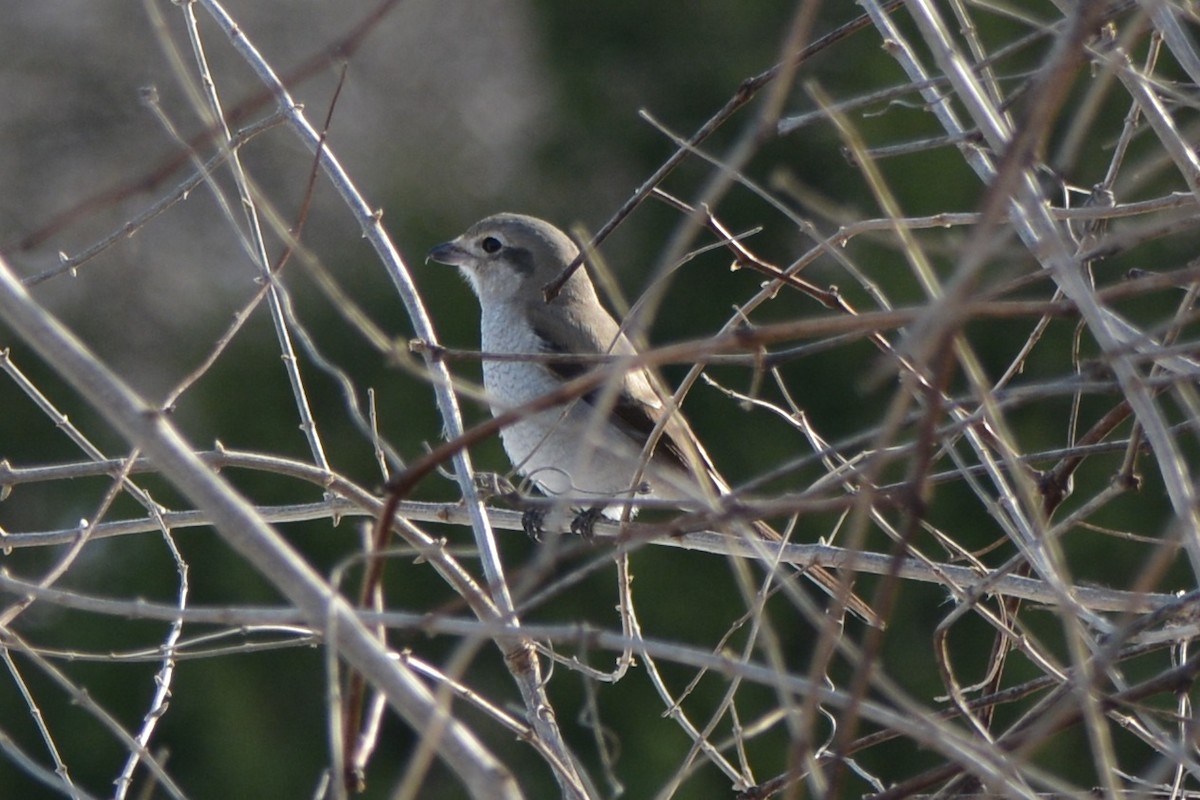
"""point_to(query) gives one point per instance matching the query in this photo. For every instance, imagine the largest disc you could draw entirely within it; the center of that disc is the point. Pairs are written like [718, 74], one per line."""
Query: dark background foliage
[448, 112]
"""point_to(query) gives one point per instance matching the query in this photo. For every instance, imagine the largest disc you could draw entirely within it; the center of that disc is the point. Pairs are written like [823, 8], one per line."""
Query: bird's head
[509, 258]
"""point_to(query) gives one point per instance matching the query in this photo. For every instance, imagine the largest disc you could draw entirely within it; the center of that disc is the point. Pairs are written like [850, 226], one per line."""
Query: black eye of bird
[490, 244]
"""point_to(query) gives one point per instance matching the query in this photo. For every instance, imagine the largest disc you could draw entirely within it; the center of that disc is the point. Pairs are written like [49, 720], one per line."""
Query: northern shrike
[590, 451]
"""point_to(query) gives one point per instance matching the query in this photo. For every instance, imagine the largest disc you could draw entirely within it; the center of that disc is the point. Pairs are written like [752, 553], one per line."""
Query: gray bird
[590, 451]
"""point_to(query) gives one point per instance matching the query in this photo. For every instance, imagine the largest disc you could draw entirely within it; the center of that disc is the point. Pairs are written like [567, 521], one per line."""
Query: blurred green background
[451, 111]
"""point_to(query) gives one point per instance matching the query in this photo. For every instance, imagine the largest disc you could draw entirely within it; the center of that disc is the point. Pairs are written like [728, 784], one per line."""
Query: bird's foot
[533, 517]
[585, 521]
[532, 520]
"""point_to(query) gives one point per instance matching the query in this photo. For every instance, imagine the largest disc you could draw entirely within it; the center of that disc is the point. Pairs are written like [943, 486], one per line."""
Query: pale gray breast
[562, 448]
[511, 383]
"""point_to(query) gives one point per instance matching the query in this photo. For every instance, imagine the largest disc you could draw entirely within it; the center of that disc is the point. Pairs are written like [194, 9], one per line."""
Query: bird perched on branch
[597, 452]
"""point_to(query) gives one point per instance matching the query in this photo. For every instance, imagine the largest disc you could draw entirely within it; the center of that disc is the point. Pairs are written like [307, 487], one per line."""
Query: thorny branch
[948, 492]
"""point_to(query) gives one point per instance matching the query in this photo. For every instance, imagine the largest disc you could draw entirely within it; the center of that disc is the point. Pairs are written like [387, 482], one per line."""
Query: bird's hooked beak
[450, 253]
